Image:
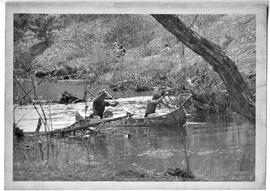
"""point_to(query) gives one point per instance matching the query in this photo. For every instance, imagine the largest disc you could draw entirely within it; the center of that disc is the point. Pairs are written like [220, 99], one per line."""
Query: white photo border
[259, 8]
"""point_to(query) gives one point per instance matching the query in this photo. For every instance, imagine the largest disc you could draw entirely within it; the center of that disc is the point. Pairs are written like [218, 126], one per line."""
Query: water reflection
[218, 148]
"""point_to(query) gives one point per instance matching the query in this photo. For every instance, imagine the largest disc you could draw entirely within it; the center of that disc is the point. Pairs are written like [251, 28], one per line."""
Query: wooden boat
[175, 118]
[172, 119]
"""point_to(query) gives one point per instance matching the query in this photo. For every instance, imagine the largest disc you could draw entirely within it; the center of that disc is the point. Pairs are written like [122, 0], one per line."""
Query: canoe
[174, 118]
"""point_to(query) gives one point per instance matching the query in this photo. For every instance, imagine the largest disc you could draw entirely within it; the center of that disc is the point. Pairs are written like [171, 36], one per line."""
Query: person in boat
[156, 100]
[99, 104]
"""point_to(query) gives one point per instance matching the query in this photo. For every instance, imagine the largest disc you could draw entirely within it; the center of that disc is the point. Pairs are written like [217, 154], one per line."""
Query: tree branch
[222, 64]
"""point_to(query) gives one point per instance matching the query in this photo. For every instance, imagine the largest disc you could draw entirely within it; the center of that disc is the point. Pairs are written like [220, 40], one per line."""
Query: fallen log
[83, 125]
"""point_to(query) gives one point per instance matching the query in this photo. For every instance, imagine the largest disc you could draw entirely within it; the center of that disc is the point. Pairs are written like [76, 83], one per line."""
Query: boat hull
[175, 118]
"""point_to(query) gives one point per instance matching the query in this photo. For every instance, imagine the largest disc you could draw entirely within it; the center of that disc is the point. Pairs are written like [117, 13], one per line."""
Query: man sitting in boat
[99, 104]
[156, 99]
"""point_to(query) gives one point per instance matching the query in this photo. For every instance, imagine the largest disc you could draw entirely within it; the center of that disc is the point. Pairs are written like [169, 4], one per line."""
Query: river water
[219, 148]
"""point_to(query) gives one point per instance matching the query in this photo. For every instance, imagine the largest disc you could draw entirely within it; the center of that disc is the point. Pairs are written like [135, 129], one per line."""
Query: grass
[83, 50]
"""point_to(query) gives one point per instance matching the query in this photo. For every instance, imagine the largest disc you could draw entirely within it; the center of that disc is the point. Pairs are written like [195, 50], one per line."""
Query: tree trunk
[226, 68]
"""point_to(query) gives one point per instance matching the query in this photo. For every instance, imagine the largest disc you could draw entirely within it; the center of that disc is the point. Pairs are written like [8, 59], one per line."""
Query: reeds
[42, 116]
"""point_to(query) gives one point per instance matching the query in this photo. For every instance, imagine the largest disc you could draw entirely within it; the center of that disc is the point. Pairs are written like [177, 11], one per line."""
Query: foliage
[20, 26]
[33, 34]
[42, 27]
[84, 44]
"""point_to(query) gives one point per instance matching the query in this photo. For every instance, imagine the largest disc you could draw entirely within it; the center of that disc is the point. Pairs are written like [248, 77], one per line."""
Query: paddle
[93, 96]
[125, 109]
[90, 93]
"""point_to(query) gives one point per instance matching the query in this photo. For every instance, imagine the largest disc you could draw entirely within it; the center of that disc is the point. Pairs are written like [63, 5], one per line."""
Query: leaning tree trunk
[222, 64]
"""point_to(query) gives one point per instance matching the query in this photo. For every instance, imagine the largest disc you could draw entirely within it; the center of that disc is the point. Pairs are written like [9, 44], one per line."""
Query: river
[218, 148]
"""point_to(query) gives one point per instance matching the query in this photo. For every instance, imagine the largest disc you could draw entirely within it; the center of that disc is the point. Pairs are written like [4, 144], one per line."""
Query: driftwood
[83, 125]
[221, 63]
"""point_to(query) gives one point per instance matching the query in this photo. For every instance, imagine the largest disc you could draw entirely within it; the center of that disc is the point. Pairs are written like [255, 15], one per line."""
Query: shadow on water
[217, 148]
